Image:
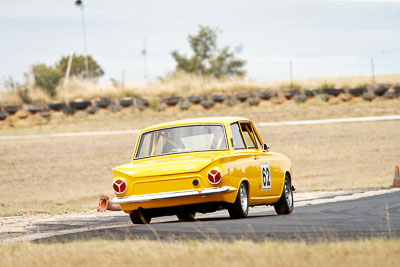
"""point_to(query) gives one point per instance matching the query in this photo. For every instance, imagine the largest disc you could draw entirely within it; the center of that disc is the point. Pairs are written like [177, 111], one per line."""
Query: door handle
[256, 157]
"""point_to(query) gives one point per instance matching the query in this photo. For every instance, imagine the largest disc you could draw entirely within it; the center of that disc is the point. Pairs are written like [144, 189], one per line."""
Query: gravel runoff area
[31, 227]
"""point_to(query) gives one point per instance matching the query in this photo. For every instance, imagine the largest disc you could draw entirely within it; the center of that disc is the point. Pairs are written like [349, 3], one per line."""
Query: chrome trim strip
[174, 194]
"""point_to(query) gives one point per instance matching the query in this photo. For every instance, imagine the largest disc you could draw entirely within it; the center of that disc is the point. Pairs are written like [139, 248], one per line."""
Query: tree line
[207, 59]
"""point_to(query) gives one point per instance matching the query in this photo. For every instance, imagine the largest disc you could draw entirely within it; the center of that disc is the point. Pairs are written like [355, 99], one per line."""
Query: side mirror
[265, 147]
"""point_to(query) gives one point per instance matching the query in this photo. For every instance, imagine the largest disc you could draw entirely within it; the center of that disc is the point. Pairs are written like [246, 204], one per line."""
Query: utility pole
[79, 4]
[66, 79]
[291, 73]
[372, 71]
[123, 79]
[144, 53]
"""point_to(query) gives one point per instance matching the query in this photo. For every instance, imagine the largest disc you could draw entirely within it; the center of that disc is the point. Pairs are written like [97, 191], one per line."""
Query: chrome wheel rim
[243, 198]
[288, 194]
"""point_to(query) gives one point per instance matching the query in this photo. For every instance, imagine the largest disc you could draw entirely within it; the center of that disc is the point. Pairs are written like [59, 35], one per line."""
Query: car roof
[226, 120]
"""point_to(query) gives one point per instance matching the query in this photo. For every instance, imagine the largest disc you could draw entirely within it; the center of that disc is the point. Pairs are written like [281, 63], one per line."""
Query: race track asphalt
[376, 216]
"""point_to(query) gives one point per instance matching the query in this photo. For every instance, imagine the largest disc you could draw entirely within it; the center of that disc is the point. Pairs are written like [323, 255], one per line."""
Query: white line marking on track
[260, 124]
[40, 136]
[329, 121]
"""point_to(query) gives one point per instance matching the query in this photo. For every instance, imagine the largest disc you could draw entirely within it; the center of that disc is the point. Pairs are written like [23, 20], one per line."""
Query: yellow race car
[202, 165]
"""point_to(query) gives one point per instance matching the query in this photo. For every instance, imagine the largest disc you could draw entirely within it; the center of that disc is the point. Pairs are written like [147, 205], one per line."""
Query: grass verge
[375, 252]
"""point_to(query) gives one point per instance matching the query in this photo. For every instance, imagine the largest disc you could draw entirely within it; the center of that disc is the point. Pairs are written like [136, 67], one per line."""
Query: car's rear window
[181, 139]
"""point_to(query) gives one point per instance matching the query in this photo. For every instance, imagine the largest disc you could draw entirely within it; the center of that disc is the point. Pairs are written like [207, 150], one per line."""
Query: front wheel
[285, 203]
[240, 208]
[140, 217]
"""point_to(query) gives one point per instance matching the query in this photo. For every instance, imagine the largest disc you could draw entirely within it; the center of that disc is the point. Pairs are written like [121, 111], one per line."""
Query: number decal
[265, 177]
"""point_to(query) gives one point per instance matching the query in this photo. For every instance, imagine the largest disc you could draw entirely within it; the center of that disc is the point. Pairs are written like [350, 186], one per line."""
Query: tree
[78, 66]
[207, 58]
[46, 77]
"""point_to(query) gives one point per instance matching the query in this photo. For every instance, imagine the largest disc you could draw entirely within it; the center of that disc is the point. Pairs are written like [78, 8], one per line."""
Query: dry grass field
[183, 85]
[375, 252]
[70, 173]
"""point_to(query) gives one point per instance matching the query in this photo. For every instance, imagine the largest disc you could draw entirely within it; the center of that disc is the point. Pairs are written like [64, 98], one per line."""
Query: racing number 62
[265, 177]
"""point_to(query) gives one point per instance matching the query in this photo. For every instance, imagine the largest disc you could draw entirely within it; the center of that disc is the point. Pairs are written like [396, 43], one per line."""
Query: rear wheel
[186, 216]
[140, 217]
[285, 203]
[240, 208]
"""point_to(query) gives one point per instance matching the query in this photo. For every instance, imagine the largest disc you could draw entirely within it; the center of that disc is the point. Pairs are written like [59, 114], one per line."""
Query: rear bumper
[174, 194]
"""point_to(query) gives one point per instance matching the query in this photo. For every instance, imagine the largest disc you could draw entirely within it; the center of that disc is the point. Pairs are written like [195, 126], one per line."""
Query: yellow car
[202, 165]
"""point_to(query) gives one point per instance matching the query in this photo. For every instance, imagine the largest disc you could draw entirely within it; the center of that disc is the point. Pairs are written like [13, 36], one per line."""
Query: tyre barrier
[3, 115]
[357, 91]
[300, 98]
[368, 96]
[79, 105]
[218, 98]
[56, 106]
[289, 94]
[11, 109]
[195, 99]
[309, 93]
[103, 103]
[379, 90]
[345, 97]
[126, 102]
[33, 108]
[184, 105]
[46, 113]
[68, 110]
[231, 101]
[332, 91]
[242, 96]
[391, 95]
[92, 110]
[252, 98]
[253, 101]
[172, 101]
[265, 95]
[207, 104]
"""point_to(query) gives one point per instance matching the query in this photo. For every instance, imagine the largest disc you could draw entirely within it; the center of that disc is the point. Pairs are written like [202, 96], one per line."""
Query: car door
[244, 163]
[270, 174]
[261, 177]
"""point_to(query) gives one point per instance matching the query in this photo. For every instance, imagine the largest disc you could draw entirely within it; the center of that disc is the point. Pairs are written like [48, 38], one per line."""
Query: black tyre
[186, 216]
[140, 217]
[240, 208]
[285, 203]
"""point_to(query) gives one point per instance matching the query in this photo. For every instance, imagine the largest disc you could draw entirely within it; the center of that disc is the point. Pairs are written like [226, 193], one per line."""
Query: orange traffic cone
[105, 204]
[396, 179]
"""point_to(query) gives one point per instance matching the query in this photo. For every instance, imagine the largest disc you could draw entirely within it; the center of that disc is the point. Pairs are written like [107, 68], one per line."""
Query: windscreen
[181, 139]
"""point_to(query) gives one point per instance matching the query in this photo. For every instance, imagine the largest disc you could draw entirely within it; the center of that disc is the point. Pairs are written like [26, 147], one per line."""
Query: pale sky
[322, 38]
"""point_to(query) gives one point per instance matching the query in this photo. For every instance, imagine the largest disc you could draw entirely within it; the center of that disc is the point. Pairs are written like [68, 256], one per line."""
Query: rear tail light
[119, 186]
[214, 176]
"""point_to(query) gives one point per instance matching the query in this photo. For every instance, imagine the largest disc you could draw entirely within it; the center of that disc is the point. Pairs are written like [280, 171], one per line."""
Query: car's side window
[237, 140]
[256, 137]
[248, 135]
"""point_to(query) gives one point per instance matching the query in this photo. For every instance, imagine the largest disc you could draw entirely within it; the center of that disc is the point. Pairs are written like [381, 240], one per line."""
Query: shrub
[46, 77]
